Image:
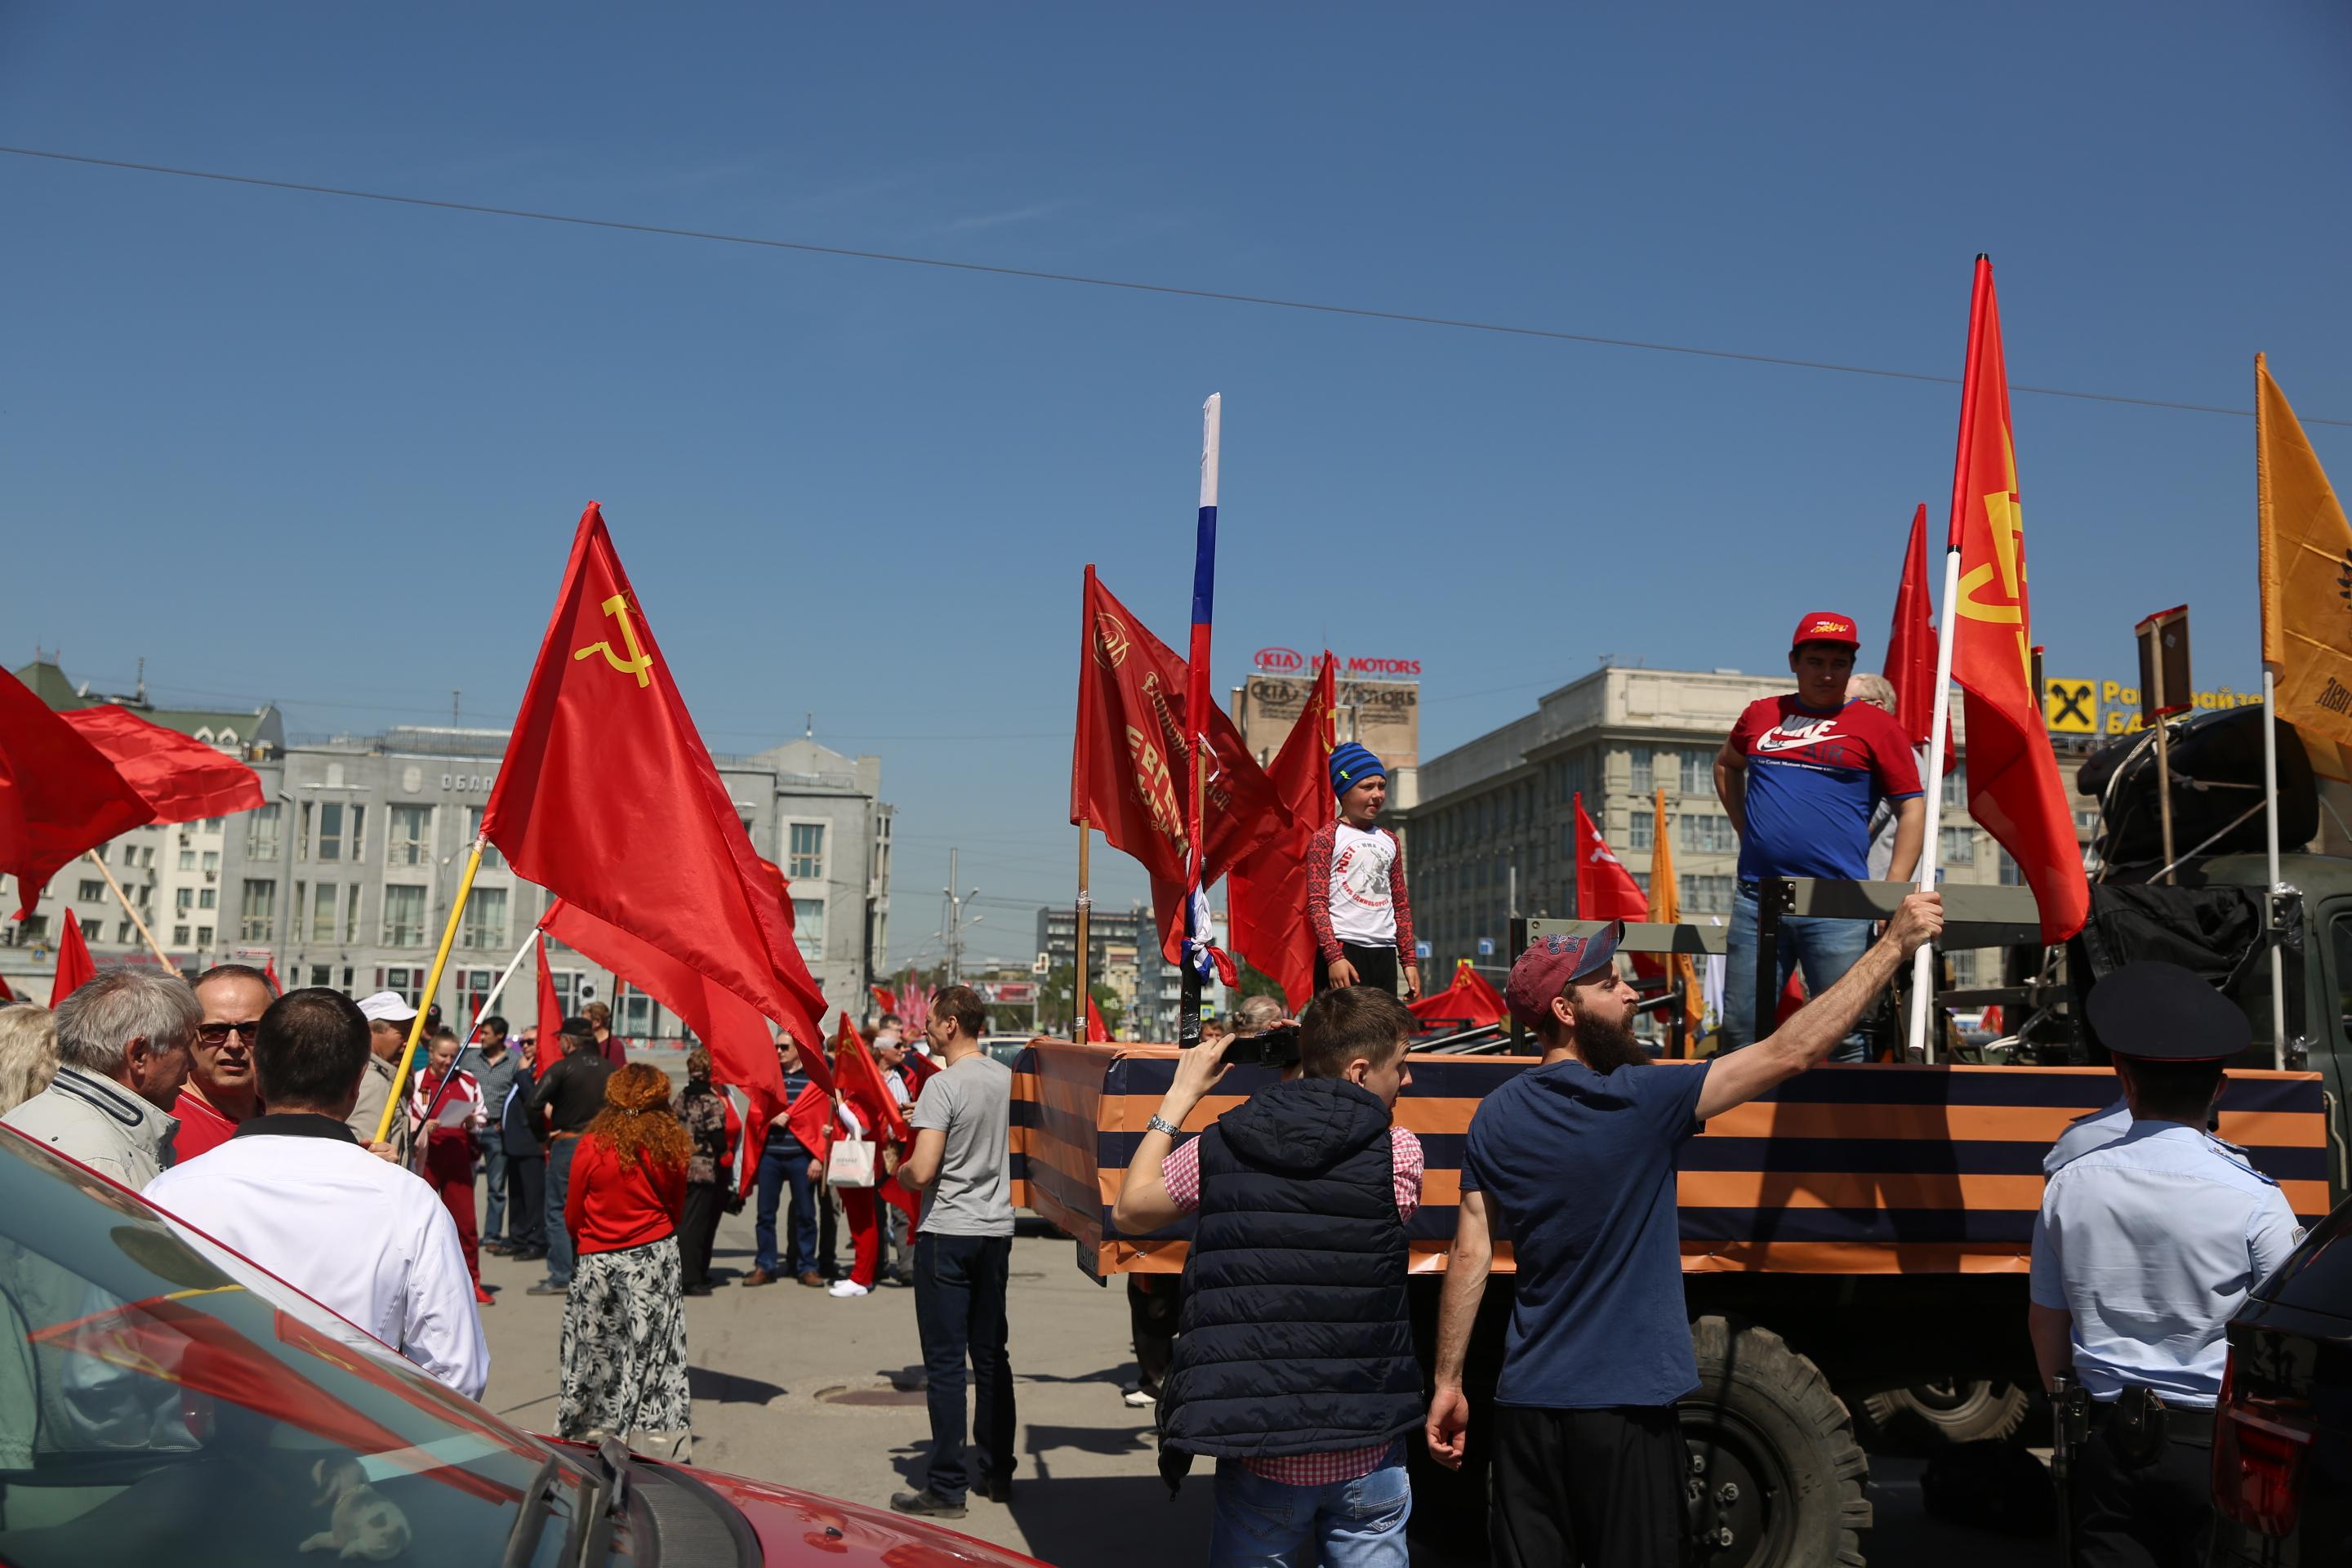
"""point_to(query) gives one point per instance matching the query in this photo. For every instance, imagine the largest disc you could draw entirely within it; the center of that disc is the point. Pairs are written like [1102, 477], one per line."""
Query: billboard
[1382, 712]
[2074, 706]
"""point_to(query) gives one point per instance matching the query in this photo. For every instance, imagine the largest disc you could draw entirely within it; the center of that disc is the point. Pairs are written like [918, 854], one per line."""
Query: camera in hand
[1277, 1048]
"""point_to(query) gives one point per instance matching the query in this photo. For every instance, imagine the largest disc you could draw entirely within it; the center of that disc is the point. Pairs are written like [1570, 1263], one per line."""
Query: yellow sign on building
[2071, 706]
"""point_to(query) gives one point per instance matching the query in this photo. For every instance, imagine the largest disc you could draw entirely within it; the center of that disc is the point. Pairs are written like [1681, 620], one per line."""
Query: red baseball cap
[1826, 626]
[1544, 970]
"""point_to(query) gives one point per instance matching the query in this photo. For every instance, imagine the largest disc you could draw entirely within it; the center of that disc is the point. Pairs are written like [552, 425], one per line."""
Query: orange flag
[74, 968]
[1265, 896]
[2015, 790]
[1666, 909]
[2306, 580]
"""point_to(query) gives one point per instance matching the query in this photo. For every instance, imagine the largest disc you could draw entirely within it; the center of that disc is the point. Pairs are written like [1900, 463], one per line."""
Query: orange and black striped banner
[1873, 1169]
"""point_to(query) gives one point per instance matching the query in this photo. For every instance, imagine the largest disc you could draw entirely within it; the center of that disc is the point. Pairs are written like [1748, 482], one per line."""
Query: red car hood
[805, 1530]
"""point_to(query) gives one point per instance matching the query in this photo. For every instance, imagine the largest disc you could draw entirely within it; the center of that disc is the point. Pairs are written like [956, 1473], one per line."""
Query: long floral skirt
[625, 1352]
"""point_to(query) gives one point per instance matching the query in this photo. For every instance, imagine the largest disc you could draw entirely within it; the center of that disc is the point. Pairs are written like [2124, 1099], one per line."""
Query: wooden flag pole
[124, 899]
[397, 1100]
[1078, 991]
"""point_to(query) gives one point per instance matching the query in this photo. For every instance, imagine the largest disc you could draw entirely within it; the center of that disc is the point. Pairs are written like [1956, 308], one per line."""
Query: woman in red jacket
[447, 1167]
[623, 1350]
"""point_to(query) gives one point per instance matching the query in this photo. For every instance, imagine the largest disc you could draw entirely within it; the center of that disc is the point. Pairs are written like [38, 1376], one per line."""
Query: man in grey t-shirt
[964, 1254]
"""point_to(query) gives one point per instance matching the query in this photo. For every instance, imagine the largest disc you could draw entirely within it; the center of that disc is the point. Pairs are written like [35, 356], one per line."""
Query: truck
[1855, 1244]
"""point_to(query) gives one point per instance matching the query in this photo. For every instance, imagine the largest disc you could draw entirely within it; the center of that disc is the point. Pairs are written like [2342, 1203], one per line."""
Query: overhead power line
[1133, 285]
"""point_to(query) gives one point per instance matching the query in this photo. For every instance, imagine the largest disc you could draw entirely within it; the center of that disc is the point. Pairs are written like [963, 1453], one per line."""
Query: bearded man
[1576, 1158]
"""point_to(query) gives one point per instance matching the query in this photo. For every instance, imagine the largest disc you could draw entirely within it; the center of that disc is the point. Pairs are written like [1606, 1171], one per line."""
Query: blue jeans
[959, 1284]
[1345, 1524]
[494, 1205]
[559, 1179]
[1825, 950]
[783, 1163]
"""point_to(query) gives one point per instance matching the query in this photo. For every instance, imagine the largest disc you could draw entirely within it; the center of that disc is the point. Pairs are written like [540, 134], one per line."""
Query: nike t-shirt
[1812, 777]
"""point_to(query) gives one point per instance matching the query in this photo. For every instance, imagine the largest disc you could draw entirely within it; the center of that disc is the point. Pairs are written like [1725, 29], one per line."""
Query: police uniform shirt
[2152, 1244]
[2096, 1131]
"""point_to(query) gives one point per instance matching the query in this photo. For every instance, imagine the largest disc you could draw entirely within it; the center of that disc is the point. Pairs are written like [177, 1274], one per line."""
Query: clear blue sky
[330, 452]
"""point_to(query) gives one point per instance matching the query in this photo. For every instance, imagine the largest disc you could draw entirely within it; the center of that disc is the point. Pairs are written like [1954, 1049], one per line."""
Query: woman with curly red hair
[623, 1350]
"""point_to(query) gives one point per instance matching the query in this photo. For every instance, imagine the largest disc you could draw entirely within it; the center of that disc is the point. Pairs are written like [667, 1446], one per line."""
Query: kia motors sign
[1391, 668]
[1281, 660]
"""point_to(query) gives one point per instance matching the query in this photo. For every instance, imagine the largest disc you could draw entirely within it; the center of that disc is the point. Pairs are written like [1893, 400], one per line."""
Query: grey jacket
[100, 1124]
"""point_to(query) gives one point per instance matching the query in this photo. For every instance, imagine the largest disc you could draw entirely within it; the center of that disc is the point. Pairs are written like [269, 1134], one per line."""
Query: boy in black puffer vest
[1294, 1364]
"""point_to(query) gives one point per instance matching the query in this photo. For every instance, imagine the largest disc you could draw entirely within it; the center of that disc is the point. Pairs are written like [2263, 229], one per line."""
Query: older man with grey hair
[123, 1049]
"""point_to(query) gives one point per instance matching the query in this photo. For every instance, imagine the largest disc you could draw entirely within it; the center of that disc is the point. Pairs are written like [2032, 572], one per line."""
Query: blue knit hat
[1351, 764]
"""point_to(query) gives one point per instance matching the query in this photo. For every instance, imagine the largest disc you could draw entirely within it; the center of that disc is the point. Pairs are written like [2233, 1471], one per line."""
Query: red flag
[74, 968]
[1097, 1032]
[1265, 896]
[6, 994]
[811, 1110]
[269, 972]
[883, 999]
[742, 1045]
[184, 779]
[1792, 998]
[1471, 1002]
[1911, 647]
[547, 1052]
[857, 1076]
[2015, 790]
[605, 757]
[58, 794]
[1131, 757]
[1605, 890]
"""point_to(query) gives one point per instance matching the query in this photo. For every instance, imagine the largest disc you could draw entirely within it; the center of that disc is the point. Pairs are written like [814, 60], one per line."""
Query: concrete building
[1495, 822]
[345, 877]
[1125, 947]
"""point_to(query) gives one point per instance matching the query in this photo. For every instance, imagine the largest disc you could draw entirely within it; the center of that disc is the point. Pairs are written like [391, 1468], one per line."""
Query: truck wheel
[1776, 1478]
[1952, 1410]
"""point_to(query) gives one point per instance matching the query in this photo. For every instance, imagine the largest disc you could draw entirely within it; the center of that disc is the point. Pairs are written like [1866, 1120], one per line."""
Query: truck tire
[1776, 1475]
[1951, 1410]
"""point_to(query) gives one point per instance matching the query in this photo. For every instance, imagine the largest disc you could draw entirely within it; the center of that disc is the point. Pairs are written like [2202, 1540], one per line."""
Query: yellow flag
[2306, 576]
[1666, 909]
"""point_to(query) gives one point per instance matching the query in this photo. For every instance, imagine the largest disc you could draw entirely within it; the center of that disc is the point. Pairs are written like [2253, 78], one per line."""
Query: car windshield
[162, 1400]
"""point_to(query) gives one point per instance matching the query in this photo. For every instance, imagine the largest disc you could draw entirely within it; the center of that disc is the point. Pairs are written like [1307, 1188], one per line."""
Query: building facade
[1124, 948]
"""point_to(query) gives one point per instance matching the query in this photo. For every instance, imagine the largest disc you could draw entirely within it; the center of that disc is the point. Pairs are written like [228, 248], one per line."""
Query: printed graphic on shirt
[1813, 778]
[1360, 874]
[1363, 908]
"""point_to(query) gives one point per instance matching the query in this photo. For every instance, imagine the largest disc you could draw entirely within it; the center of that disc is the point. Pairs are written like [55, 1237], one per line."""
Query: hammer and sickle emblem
[639, 661]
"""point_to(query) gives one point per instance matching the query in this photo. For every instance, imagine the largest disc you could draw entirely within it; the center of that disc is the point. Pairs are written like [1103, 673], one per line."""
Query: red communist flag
[1471, 1002]
[858, 1077]
[608, 798]
[1605, 890]
[2015, 790]
[1267, 894]
[546, 1053]
[1097, 1032]
[1127, 763]
[74, 968]
[184, 779]
[1911, 647]
[59, 793]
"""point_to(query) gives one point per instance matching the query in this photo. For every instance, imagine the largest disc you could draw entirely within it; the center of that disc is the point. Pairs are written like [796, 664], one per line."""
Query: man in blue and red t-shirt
[1799, 776]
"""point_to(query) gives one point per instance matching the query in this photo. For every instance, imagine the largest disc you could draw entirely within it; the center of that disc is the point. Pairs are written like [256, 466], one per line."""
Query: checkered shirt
[1181, 1171]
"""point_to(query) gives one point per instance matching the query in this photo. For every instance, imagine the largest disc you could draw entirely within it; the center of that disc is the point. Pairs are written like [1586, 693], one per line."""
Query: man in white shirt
[293, 1190]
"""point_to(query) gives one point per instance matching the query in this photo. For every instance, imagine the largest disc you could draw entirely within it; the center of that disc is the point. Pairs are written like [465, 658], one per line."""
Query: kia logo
[1281, 659]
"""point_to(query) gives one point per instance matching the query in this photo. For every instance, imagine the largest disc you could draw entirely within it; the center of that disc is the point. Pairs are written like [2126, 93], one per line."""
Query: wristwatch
[1160, 1123]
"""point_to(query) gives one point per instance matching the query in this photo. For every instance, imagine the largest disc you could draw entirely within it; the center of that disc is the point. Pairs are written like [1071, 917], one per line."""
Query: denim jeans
[960, 1312]
[1344, 1524]
[784, 1165]
[559, 1179]
[1825, 950]
[494, 1199]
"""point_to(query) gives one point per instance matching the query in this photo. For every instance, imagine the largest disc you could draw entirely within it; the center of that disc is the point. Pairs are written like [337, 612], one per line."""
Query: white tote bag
[850, 1164]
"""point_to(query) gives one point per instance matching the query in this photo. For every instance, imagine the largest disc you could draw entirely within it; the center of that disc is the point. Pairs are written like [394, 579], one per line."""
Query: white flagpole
[480, 1012]
[2270, 826]
[1923, 963]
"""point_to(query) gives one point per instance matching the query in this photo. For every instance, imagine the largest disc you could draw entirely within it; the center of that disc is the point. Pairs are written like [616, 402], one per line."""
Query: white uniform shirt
[360, 1236]
[1363, 911]
[2153, 1242]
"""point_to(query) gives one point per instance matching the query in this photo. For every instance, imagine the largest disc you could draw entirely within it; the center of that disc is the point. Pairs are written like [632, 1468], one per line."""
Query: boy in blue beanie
[1355, 885]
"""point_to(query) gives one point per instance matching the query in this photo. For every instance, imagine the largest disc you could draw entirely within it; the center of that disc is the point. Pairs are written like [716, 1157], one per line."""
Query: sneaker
[549, 1288]
[759, 1277]
[483, 1298]
[851, 1288]
[926, 1501]
[1136, 1399]
[813, 1279]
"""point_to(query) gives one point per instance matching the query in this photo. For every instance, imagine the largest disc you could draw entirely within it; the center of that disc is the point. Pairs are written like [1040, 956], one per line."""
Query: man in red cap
[1575, 1160]
[1799, 776]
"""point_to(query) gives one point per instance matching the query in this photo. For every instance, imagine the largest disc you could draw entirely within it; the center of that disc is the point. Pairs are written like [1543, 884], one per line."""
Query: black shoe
[500, 1247]
[927, 1502]
[531, 1254]
[696, 1290]
[549, 1288]
[998, 1491]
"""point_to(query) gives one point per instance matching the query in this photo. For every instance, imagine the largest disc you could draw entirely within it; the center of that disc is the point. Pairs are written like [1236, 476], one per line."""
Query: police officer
[2143, 1251]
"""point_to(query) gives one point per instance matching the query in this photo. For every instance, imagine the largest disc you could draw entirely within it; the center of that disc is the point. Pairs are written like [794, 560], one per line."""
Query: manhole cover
[871, 1396]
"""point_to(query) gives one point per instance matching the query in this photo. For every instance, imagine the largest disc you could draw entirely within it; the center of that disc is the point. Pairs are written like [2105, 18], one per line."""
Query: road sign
[1485, 947]
[2071, 706]
[1043, 965]
[1422, 949]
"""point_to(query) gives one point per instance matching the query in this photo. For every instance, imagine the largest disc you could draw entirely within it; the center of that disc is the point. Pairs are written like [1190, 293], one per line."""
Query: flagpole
[1196, 697]
[2271, 831]
[1078, 989]
[165, 959]
[480, 1012]
[397, 1100]
[1923, 962]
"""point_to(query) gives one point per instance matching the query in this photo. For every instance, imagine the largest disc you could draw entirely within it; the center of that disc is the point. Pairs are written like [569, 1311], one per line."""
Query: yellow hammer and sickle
[2005, 524]
[639, 661]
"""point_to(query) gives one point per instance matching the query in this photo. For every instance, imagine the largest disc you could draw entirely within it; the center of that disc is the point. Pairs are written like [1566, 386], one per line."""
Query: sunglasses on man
[218, 1034]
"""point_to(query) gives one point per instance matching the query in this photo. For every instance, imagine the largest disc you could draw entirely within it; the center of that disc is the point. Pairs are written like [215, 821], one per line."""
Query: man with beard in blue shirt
[1575, 1161]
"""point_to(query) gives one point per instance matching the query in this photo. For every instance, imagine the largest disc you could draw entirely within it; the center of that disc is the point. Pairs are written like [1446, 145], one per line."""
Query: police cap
[2158, 1012]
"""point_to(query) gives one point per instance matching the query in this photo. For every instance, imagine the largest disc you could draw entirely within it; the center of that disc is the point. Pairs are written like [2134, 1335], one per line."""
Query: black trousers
[2153, 1515]
[698, 1232]
[527, 1199]
[1154, 1302]
[960, 1312]
[1599, 1487]
[1375, 966]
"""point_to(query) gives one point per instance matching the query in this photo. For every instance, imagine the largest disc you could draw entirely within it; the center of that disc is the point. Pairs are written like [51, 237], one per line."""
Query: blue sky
[330, 452]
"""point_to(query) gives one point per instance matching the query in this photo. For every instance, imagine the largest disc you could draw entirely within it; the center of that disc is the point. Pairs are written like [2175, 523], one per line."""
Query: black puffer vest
[1296, 1336]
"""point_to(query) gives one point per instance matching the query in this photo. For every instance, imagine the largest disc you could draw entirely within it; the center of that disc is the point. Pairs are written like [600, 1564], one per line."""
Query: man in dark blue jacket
[1294, 1366]
[525, 1163]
